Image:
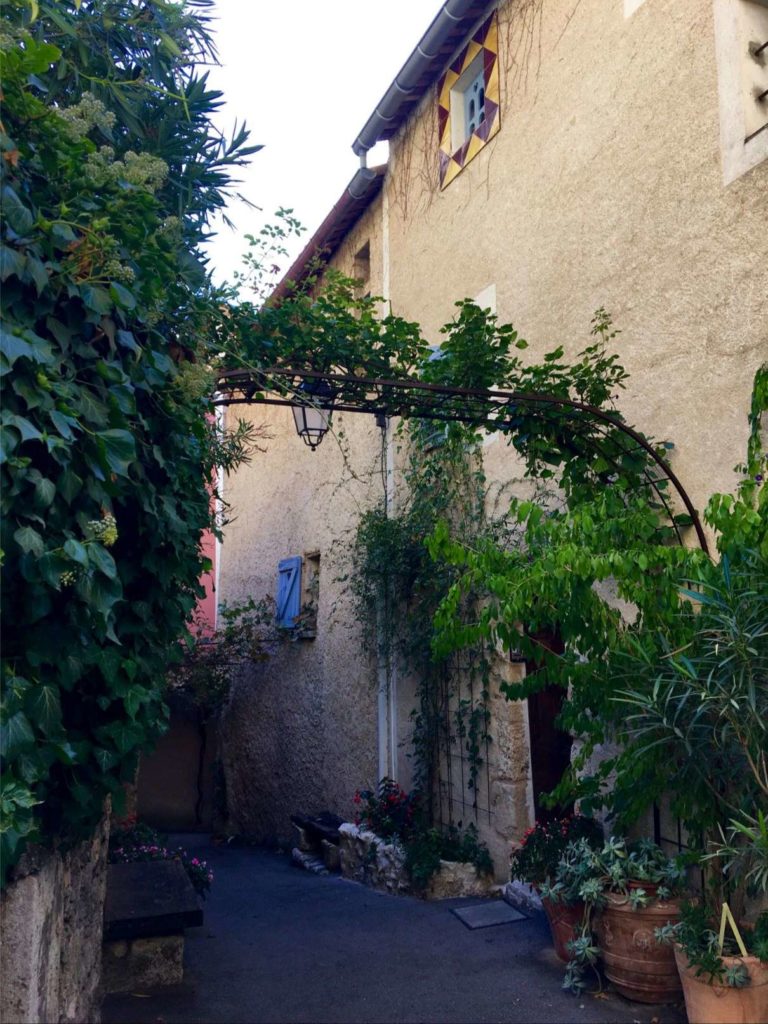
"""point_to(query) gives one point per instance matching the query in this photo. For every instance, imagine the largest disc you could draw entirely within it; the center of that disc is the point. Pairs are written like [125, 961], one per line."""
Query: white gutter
[452, 23]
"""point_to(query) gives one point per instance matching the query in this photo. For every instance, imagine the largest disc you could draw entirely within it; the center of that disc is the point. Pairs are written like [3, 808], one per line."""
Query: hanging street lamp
[312, 411]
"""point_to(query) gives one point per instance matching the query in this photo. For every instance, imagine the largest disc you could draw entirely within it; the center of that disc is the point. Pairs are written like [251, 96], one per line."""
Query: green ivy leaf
[70, 485]
[45, 492]
[44, 708]
[76, 551]
[102, 560]
[96, 298]
[119, 450]
[15, 212]
[121, 296]
[11, 263]
[29, 540]
[15, 734]
[64, 424]
[127, 340]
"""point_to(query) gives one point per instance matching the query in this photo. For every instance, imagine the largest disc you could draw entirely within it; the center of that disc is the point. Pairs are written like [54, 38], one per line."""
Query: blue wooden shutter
[288, 591]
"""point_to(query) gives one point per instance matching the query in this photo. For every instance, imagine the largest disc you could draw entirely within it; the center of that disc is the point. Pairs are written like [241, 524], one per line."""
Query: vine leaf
[44, 708]
[119, 450]
[15, 734]
[29, 540]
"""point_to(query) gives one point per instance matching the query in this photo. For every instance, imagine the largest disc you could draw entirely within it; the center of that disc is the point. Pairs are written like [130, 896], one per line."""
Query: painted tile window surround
[468, 102]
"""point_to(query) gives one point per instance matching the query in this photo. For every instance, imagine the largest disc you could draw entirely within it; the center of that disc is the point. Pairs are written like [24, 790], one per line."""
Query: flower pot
[707, 1003]
[564, 923]
[638, 966]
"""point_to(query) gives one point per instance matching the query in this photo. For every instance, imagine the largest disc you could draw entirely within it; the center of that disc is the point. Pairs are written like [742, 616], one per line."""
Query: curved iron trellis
[419, 400]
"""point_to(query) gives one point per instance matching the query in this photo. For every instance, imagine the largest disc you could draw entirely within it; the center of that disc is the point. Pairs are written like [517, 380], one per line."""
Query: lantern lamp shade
[312, 411]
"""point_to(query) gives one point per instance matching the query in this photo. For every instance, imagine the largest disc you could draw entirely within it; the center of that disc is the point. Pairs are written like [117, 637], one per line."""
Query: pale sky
[305, 75]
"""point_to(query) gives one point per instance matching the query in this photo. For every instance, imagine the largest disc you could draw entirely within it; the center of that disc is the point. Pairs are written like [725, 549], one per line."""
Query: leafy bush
[542, 846]
[391, 813]
[111, 170]
[697, 934]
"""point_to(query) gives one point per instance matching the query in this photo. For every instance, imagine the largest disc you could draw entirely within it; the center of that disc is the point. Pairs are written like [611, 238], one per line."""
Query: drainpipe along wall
[386, 668]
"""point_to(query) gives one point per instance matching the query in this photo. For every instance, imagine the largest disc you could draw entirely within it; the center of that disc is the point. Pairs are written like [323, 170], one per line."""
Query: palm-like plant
[704, 707]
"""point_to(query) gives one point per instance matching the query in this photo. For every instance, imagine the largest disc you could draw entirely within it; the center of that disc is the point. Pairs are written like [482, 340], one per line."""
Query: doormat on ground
[487, 914]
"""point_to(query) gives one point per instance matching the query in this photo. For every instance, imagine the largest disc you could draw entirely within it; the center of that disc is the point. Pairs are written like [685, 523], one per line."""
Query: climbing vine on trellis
[403, 594]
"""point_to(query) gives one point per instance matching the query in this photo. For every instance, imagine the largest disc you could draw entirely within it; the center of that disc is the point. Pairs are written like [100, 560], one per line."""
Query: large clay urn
[638, 966]
[564, 923]
[707, 1003]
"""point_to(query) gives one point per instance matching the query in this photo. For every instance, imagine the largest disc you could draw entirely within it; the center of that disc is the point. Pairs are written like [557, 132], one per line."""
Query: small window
[310, 595]
[474, 105]
[288, 592]
[468, 103]
[362, 264]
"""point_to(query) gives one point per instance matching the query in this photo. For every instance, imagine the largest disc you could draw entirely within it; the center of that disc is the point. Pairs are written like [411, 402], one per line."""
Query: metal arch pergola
[492, 409]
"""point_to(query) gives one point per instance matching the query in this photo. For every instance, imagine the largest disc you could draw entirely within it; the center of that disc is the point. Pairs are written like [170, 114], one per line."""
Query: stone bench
[317, 841]
[148, 906]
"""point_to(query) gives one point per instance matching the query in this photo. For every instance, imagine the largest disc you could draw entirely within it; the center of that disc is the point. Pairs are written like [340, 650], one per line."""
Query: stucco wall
[603, 187]
[51, 924]
[299, 734]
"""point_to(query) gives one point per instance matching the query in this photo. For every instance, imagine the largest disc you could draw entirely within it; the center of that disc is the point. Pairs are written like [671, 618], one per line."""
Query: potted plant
[535, 862]
[724, 977]
[628, 893]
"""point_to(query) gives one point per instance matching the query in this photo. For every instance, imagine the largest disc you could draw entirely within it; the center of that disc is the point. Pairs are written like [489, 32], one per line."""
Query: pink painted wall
[205, 613]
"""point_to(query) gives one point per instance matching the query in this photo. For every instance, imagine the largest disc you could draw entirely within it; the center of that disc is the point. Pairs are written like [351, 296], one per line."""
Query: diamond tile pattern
[485, 40]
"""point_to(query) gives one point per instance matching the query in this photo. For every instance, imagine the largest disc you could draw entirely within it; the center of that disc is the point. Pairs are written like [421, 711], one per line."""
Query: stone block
[301, 841]
[456, 879]
[130, 965]
[331, 855]
[522, 896]
[309, 861]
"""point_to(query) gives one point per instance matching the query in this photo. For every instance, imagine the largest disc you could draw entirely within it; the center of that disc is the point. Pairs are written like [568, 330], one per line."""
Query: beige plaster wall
[51, 924]
[300, 732]
[603, 187]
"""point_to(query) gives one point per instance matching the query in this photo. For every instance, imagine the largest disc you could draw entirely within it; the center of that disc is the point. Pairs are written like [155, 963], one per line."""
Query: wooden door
[550, 746]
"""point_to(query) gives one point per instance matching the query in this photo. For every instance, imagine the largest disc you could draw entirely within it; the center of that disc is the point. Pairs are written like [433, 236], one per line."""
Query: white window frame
[459, 101]
[738, 155]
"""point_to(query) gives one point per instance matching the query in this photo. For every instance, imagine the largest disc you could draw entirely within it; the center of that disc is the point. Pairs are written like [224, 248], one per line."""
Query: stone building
[546, 157]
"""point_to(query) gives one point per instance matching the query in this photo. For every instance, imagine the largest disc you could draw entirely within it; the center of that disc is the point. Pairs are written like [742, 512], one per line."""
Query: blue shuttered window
[288, 591]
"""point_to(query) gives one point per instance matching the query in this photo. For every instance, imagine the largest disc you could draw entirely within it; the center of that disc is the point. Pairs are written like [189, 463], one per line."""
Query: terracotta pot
[639, 967]
[706, 1003]
[564, 923]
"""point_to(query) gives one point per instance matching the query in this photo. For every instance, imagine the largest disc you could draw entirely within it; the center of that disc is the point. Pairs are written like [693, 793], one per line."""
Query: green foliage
[542, 846]
[638, 874]
[110, 171]
[705, 703]
[563, 569]
[427, 848]
[696, 932]
[212, 659]
[391, 813]
[396, 585]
